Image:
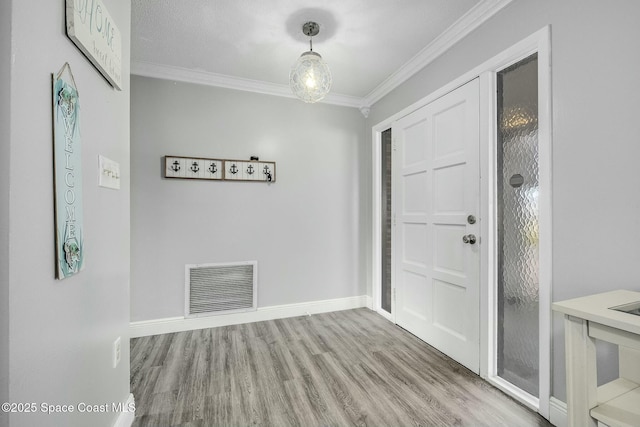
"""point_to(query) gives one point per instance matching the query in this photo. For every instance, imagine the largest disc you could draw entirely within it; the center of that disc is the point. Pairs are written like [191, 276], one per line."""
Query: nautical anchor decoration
[214, 169]
[267, 172]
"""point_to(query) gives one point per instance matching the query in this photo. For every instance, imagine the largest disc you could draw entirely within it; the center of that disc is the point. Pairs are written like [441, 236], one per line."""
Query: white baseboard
[557, 412]
[125, 418]
[178, 324]
[369, 302]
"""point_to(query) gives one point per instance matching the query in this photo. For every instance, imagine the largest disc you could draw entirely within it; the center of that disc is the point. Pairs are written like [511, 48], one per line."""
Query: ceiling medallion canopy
[310, 77]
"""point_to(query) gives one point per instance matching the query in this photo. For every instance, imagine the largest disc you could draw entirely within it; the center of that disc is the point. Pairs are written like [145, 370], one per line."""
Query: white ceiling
[365, 42]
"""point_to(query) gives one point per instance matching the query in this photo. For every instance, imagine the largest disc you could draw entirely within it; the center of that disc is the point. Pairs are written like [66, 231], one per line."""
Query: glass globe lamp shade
[310, 77]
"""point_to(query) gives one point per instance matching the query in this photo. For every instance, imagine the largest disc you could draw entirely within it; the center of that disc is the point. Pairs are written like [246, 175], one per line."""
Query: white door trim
[539, 42]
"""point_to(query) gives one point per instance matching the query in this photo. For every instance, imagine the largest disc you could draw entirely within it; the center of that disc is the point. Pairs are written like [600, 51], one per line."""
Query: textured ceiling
[363, 41]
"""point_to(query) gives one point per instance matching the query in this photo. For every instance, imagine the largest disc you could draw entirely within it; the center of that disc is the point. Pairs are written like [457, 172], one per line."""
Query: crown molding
[168, 72]
[475, 17]
[471, 20]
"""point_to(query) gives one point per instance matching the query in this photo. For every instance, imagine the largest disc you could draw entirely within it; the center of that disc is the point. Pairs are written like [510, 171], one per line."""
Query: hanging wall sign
[93, 30]
[219, 170]
[68, 175]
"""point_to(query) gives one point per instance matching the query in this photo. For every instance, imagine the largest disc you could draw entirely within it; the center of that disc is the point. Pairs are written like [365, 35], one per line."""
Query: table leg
[582, 383]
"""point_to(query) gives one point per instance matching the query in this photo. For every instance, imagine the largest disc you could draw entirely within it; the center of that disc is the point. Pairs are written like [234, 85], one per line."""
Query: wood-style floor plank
[348, 368]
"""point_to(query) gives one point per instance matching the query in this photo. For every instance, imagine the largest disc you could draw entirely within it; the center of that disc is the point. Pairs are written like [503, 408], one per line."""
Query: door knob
[469, 238]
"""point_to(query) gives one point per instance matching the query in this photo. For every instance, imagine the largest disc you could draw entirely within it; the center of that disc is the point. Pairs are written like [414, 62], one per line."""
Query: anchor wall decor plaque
[68, 175]
[219, 170]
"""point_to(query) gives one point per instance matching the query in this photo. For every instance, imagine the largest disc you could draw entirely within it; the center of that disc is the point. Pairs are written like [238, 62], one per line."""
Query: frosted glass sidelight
[386, 221]
[518, 290]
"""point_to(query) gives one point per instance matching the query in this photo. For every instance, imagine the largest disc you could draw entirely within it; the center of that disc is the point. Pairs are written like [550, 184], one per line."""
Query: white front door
[436, 189]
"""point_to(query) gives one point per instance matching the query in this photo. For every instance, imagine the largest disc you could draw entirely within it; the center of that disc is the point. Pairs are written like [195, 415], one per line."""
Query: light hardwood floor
[335, 369]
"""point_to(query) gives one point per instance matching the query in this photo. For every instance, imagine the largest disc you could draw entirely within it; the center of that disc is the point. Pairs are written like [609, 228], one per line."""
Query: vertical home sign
[95, 33]
[68, 175]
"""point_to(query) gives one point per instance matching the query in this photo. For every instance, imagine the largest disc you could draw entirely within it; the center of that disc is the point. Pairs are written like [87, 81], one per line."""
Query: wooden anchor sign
[219, 169]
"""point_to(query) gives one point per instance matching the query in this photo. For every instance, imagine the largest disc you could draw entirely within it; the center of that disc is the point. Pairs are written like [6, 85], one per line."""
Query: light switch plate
[109, 173]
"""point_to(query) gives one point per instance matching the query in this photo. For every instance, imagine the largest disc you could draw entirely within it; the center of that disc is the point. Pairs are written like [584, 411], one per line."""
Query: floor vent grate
[212, 289]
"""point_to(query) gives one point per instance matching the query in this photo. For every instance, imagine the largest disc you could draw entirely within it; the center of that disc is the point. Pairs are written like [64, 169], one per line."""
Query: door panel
[448, 189]
[449, 316]
[414, 151]
[449, 257]
[416, 285]
[415, 243]
[437, 181]
[415, 184]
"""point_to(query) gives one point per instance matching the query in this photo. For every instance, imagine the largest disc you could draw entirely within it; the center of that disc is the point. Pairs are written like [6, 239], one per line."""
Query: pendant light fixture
[310, 77]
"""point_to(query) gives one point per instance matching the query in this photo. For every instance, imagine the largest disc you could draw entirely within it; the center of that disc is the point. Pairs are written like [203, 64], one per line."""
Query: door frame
[539, 42]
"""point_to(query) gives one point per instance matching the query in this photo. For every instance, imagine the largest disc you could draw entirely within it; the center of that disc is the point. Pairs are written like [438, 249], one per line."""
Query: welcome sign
[68, 175]
[95, 33]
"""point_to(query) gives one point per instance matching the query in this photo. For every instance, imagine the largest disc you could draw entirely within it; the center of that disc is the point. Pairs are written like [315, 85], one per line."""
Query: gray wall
[304, 230]
[61, 332]
[596, 202]
[5, 69]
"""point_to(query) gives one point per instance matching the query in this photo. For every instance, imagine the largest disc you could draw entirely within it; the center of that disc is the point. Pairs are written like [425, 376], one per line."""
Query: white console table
[588, 319]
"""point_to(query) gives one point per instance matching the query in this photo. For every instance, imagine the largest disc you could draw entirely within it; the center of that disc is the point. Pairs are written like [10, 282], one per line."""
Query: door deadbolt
[471, 219]
[469, 238]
